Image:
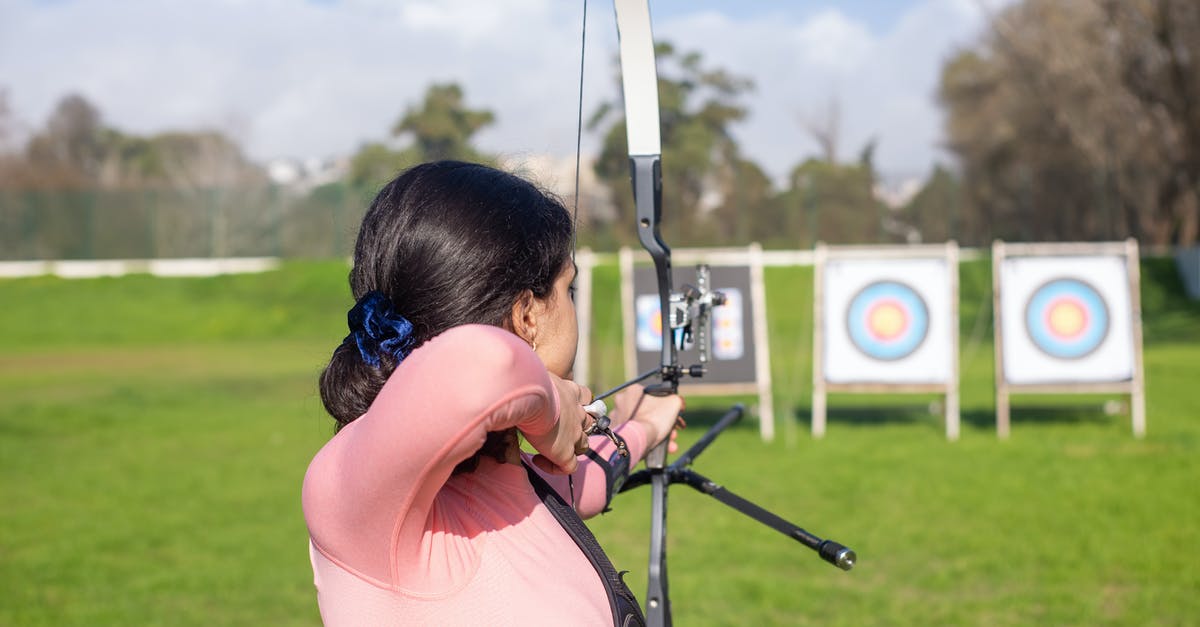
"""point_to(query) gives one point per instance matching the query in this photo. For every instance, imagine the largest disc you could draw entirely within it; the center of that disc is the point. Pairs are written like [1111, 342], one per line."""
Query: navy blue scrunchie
[378, 329]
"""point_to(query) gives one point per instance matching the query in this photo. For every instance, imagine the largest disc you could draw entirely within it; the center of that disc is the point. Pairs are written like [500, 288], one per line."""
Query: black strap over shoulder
[625, 608]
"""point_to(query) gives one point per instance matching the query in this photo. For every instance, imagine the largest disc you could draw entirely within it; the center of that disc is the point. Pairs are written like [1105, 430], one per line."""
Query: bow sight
[688, 324]
[688, 320]
[694, 305]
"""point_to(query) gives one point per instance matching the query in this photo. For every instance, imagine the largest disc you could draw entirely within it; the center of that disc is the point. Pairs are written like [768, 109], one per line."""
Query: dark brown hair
[449, 243]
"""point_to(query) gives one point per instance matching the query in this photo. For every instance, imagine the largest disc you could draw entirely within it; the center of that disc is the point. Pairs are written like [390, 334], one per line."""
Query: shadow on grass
[982, 419]
[1088, 413]
[874, 415]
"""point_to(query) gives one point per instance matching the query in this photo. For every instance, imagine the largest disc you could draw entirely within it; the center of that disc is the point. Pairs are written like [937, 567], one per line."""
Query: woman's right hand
[559, 447]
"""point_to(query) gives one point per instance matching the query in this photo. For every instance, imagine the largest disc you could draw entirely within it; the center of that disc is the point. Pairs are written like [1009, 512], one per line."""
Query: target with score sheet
[1066, 318]
[887, 320]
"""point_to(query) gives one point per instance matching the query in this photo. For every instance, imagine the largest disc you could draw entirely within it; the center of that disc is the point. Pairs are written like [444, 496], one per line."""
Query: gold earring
[533, 345]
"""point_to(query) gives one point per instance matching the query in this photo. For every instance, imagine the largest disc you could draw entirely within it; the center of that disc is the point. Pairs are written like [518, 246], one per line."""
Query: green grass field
[154, 432]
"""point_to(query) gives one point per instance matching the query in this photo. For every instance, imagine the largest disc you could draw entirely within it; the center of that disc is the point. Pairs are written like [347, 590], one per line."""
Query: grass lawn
[154, 432]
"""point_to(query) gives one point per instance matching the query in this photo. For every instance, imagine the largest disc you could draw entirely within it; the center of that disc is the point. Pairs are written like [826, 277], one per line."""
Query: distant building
[302, 175]
[898, 192]
[895, 196]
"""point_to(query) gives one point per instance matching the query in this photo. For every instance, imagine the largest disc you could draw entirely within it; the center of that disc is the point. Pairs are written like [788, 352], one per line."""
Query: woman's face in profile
[558, 331]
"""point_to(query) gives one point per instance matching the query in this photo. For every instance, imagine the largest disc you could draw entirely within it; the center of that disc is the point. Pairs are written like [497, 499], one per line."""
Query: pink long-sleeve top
[395, 539]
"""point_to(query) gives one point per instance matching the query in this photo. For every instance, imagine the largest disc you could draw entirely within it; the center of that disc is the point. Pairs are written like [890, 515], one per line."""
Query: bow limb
[639, 80]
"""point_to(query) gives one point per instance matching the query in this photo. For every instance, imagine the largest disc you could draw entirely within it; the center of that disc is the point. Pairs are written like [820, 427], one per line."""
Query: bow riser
[646, 175]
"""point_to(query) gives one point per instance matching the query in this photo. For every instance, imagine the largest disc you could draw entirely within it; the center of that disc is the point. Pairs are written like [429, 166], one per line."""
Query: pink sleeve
[374, 484]
[590, 481]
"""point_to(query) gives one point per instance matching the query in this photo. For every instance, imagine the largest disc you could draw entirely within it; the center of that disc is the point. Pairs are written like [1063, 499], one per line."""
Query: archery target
[1066, 319]
[887, 321]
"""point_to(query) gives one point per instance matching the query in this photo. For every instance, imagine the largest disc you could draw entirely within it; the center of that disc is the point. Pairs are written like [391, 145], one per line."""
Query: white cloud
[831, 42]
[885, 83]
[316, 79]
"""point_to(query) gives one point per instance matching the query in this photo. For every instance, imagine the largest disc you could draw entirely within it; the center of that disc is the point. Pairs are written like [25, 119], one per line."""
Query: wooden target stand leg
[952, 414]
[952, 405]
[1002, 412]
[1137, 392]
[818, 402]
[1002, 409]
[818, 411]
[1137, 410]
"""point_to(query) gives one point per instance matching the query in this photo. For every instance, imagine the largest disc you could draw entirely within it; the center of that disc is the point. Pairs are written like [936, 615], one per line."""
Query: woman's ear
[524, 317]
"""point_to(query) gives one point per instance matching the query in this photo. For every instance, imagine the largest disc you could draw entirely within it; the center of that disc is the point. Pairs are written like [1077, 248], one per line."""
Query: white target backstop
[1068, 321]
[885, 321]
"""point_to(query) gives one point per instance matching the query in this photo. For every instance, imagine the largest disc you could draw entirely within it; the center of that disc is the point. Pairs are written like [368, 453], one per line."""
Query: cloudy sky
[297, 78]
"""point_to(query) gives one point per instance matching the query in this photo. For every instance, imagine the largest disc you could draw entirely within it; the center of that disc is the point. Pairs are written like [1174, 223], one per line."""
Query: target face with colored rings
[1066, 318]
[887, 320]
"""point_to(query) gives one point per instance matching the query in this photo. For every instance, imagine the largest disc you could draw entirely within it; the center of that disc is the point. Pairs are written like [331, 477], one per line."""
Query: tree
[375, 163]
[745, 213]
[835, 202]
[70, 149]
[76, 149]
[14, 170]
[8, 122]
[194, 160]
[703, 165]
[935, 210]
[1158, 46]
[825, 129]
[441, 127]
[1081, 120]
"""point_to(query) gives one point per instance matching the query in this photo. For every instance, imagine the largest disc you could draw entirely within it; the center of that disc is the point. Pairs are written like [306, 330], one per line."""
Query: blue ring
[1045, 340]
[897, 348]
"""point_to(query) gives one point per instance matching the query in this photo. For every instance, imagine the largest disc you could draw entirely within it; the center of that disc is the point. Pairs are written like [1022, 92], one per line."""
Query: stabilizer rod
[830, 551]
[833, 552]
